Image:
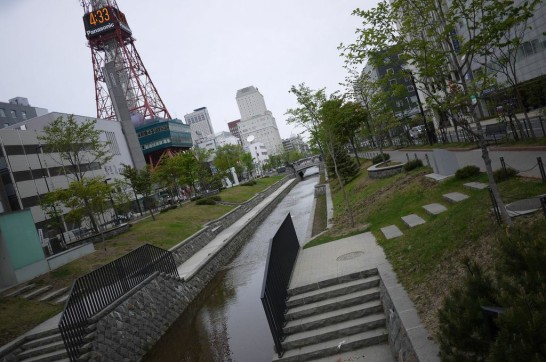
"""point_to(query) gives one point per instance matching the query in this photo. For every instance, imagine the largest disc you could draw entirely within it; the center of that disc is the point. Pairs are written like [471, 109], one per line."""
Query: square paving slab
[391, 232]
[455, 197]
[437, 177]
[412, 220]
[434, 209]
[476, 185]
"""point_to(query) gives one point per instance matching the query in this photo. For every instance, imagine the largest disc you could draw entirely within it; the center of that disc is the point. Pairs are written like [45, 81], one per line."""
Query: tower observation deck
[110, 40]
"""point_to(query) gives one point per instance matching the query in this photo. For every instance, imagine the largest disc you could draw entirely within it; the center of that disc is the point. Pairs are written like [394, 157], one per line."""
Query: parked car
[417, 132]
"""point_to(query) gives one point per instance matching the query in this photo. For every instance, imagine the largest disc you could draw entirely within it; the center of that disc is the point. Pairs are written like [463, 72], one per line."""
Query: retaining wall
[132, 325]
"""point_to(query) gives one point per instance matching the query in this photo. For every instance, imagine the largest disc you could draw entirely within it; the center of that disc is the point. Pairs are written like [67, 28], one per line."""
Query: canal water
[226, 322]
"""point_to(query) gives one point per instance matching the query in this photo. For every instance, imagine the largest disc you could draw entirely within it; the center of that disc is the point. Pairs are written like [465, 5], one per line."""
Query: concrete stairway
[334, 316]
[44, 346]
[40, 293]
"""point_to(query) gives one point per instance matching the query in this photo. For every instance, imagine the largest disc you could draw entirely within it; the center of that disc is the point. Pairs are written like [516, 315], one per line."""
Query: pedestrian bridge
[306, 163]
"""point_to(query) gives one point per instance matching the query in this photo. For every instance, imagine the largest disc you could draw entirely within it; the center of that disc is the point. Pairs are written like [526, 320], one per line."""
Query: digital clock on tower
[104, 20]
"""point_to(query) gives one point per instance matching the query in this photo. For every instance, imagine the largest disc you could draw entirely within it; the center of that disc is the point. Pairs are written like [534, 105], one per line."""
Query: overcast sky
[197, 52]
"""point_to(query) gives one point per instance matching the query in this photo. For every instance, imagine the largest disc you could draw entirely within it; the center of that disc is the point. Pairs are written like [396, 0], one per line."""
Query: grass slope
[427, 258]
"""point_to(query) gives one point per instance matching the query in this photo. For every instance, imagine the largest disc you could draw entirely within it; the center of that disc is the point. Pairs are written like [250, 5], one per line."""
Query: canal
[226, 322]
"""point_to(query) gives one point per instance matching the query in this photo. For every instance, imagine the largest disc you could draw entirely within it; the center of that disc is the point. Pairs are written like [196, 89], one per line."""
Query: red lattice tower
[110, 39]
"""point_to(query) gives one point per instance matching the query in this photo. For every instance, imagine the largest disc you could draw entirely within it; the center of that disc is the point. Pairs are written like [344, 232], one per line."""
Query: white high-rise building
[200, 124]
[257, 121]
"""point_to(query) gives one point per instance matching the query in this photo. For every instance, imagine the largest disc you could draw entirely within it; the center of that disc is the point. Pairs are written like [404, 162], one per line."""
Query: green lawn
[241, 194]
[169, 228]
[427, 257]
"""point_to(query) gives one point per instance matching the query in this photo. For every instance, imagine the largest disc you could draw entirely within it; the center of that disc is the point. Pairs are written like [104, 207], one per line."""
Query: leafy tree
[428, 35]
[77, 144]
[141, 181]
[307, 115]
[343, 166]
[229, 156]
[80, 150]
[248, 162]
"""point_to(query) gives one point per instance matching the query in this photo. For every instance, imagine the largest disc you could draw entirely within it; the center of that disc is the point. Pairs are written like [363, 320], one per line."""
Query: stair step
[20, 290]
[323, 306]
[36, 292]
[335, 316]
[43, 341]
[332, 291]
[41, 350]
[334, 331]
[330, 348]
[62, 299]
[332, 281]
[56, 356]
[53, 294]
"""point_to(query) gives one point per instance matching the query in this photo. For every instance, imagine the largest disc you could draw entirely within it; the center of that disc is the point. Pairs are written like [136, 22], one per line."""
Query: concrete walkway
[187, 269]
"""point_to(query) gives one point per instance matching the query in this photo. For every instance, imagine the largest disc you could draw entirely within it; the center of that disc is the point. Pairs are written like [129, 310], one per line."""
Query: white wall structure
[258, 152]
[29, 171]
[212, 142]
[257, 121]
[200, 124]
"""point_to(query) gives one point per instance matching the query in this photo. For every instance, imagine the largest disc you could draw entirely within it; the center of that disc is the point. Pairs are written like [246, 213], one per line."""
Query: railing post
[503, 164]
[495, 207]
[541, 168]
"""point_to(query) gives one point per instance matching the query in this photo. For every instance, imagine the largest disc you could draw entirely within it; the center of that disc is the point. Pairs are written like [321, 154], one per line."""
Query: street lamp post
[39, 147]
[112, 200]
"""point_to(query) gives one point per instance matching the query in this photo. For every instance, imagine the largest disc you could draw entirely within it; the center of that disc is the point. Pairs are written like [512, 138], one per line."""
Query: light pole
[112, 200]
[39, 147]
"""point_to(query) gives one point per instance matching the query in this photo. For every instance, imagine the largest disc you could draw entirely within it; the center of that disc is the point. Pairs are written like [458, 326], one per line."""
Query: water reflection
[226, 322]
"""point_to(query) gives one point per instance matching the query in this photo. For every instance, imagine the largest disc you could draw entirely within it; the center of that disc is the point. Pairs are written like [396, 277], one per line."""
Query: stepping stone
[455, 197]
[437, 177]
[476, 185]
[434, 209]
[62, 299]
[412, 220]
[391, 232]
[53, 294]
[36, 292]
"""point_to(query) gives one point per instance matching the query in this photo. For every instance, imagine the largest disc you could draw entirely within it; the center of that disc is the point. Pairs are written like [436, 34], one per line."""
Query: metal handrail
[281, 257]
[95, 291]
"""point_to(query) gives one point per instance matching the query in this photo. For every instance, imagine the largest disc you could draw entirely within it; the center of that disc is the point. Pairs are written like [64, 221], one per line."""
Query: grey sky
[198, 52]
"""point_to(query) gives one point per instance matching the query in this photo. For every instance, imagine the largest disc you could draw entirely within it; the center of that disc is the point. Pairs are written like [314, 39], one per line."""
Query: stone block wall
[130, 327]
[185, 250]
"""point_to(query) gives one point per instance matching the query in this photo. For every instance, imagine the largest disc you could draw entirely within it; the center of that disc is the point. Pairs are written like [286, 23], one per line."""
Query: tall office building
[257, 121]
[200, 124]
[18, 110]
[234, 129]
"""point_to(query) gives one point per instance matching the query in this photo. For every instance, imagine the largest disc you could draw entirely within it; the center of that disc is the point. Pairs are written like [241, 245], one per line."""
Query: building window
[24, 114]
[2, 112]
[13, 114]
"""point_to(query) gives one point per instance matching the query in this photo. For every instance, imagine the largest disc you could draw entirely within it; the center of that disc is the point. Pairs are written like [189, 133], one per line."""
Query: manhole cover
[349, 256]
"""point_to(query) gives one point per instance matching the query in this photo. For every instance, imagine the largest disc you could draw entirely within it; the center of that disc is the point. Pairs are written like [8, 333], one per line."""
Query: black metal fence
[283, 251]
[95, 291]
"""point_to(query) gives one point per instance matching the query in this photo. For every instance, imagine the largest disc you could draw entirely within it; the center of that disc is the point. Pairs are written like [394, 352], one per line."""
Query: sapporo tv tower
[112, 45]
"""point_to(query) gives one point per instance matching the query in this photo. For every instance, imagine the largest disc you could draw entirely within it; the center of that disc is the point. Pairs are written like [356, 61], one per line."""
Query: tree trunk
[341, 184]
[352, 141]
[525, 114]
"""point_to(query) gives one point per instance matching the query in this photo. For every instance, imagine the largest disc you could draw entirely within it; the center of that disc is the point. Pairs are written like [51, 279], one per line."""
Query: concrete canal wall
[134, 323]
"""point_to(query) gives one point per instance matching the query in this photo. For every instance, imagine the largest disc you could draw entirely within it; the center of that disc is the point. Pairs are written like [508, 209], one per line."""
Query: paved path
[523, 159]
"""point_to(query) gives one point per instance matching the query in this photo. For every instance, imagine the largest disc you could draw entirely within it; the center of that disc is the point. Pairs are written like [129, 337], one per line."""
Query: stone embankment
[132, 325]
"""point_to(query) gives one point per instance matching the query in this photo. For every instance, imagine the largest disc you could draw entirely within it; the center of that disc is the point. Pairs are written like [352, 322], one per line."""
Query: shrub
[377, 159]
[467, 172]
[206, 201]
[249, 183]
[504, 174]
[413, 164]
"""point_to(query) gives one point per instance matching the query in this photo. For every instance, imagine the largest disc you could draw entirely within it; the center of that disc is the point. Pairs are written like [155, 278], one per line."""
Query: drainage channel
[226, 322]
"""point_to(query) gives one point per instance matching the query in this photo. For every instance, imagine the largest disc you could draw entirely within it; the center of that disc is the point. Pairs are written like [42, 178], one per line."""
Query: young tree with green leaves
[141, 181]
[77, 144]
[80, 150]
[248, 163]
[441, 43]
[307, 115]
[226, 157]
